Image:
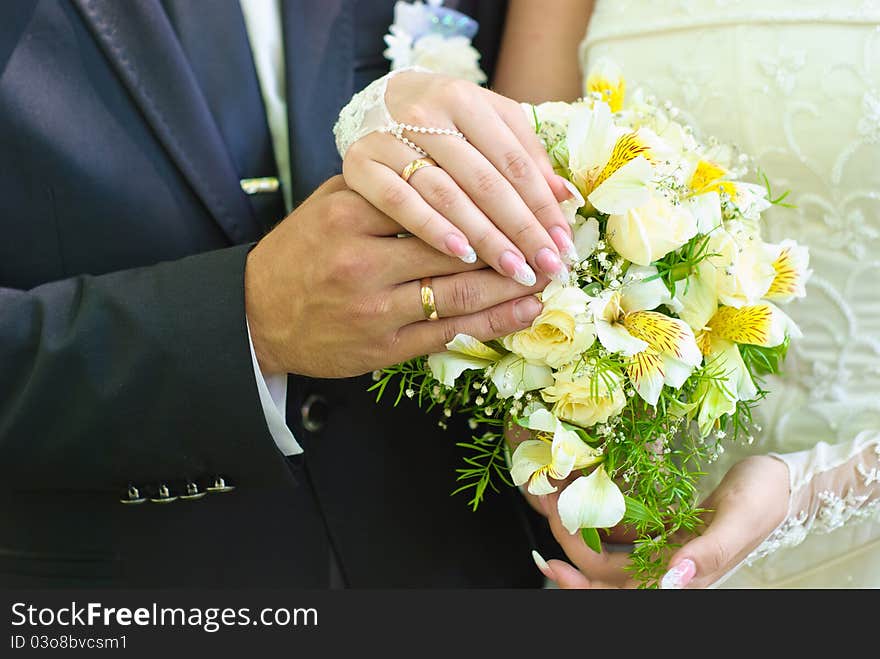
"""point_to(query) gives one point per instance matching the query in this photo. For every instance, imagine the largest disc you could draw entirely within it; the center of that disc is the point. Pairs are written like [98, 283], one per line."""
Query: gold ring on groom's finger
[415, 166]
[428, 305]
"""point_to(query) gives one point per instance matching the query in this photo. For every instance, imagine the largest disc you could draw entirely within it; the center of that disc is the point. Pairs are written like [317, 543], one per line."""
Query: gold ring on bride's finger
[415, 166]
[428, 305]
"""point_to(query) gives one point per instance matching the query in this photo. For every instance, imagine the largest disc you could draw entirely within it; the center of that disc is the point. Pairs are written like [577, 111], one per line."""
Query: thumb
[706, 558]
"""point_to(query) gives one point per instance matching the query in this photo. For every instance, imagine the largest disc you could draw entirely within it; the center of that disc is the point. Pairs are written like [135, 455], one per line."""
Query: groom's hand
[332, 292]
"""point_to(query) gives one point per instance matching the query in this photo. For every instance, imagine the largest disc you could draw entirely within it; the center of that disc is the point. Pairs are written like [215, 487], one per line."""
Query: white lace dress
[797, 84]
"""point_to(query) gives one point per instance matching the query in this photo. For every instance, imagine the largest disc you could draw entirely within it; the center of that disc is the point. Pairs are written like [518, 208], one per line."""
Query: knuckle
[517, 165]
[487, 182]
[496, 322]
[443, 197]
[371, 307]
[349, 266]
[545, 206]
[464, 295]
[393, 196]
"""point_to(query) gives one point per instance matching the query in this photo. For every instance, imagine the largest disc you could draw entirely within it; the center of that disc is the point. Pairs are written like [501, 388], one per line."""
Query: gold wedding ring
[415, 166]
[428, 305]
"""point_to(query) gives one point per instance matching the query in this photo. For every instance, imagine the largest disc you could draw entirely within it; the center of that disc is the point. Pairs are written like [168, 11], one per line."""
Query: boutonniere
[434, 37]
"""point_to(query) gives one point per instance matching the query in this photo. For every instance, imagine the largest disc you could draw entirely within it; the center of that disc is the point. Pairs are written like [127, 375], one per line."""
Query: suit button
[164, 496]
[133, 496]
[220, 485]
[192, 492]
[315, 412]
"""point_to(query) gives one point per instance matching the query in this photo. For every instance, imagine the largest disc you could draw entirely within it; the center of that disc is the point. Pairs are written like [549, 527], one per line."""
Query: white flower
[609, 165]
[743, 265]
[591, 502]
[586, 237]
[535, 461]
[663, 349]
[452, 56]
[464, 353]
[560, 333]
[513, 374]
[649, 232]
[585, 399]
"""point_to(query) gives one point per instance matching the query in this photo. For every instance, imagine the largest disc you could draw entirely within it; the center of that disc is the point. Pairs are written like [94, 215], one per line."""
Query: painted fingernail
[527, 309]
[550, 263]
[517, 268]
[573, 192]
[563, 242]
[543, 566]
[460, 247]
[679, 576]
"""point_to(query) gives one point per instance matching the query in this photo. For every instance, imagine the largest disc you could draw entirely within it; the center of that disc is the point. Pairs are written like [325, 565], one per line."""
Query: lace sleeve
[366, 112]
[830, 486]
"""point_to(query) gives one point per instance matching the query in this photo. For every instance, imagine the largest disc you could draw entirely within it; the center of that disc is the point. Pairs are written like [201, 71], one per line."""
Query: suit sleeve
[142, 375]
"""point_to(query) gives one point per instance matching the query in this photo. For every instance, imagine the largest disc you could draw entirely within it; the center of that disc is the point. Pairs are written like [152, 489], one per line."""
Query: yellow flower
[606, 80]
[792, 272]
[709, 176]
[663, 349]
[560, 333]
[585, 399]
[611, 166]
[555, 453]
[650, 231]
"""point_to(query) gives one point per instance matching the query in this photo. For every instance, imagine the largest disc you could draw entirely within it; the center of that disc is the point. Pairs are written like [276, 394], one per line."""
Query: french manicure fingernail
[460, 247]
[517, 268]
[550, 263]
[573, 192]
[527, 309]
[564, 243]
[679, 576]
[543, 566]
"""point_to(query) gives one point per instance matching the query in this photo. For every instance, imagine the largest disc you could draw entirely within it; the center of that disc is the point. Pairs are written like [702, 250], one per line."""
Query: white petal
[447, 366]
[615, 338]
[570, 207]
[591, 137]
[540, 483]
[592, 501]
[625, 189]
[468, 345]
[707, 211]
[529, 457]
[698, 297]
[586, 236]
[675, 372]
[542, 419]
[641, 295]
[513, 373]
[649, 386]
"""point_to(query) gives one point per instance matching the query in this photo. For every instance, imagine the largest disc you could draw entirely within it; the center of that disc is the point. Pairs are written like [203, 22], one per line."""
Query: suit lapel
[138, 39]
[319, 46]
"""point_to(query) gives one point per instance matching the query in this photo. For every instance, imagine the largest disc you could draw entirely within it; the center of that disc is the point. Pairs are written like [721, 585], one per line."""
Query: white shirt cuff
[273, 396]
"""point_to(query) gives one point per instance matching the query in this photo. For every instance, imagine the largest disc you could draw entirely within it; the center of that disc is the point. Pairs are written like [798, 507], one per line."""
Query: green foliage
[592, 540]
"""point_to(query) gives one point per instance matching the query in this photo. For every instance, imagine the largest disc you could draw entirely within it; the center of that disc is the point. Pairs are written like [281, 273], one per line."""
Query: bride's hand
[745, 508]
[494, 192]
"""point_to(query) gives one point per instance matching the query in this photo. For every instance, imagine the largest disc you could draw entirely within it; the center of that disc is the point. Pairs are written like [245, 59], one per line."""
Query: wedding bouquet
[652, 355]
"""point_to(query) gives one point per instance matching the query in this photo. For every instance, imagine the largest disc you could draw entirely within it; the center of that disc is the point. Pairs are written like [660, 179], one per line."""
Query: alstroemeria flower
[751, 199]
[792, 267]
[555, 453]
[610, 166]
[606, 80]
[591, 502]
[464, 353]
[760, 325]
[663, 348]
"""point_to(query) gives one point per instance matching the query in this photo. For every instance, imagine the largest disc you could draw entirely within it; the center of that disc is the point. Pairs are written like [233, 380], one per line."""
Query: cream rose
[649, 232]
[583, 401]
[562, 331]
[743, 265]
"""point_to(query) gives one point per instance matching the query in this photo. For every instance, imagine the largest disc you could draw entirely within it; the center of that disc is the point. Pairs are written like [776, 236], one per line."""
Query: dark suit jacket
[123, 349]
